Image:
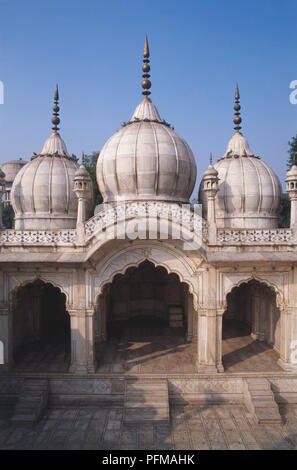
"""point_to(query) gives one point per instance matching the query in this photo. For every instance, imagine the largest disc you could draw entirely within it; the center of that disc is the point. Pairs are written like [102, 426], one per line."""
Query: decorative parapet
[187, 219]
[182, 215]
[267, 236]
[37, 237]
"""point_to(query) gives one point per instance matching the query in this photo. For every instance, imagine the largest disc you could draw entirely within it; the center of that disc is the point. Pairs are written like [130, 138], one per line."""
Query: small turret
[83, 188]
[291, 187]
[2, 191]
[211, 187]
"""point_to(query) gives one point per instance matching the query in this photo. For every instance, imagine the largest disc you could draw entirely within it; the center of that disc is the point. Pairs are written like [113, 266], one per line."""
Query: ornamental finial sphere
[56, 109]
[146, 84]
[237, 107]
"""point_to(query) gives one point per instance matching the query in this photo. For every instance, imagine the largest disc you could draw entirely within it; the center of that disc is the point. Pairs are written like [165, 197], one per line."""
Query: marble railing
[246, 236]
[179, 214]
[39, 237]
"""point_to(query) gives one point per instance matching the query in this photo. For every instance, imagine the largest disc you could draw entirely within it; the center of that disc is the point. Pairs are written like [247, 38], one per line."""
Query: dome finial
[237, 118]
[146, 84]
[56, 109]
[210, 158]
[83, 161]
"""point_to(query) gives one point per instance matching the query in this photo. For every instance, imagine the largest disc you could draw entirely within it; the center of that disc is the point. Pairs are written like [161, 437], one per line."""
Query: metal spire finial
[146, 84]
[56, 109]
[210, 158]
[83, 161]
[237, 118]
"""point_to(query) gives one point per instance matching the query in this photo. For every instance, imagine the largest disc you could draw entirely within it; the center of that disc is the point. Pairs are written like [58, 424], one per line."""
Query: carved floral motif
[42, 237]
[275, 235]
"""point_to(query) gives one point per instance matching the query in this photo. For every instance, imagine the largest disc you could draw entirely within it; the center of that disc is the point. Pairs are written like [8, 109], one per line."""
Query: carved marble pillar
[256, 302]
[101, 311]
[82, 341]
[190, 315]
[209, 335]
[288, 339]
[206, 339]
[219, 342]
[6, 346]
[82, 329]
[271, 324]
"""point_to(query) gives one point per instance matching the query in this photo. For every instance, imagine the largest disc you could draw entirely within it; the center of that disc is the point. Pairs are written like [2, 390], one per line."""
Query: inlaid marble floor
[160, 351]
[191, 427]
[155, 350]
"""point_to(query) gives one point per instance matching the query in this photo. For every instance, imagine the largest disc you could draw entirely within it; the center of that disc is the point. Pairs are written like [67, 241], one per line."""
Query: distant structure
[11, 169]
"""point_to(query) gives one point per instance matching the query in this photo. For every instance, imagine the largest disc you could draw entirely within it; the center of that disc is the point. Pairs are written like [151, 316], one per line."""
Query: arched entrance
[40, 328]
[251, 329]
[142, 313]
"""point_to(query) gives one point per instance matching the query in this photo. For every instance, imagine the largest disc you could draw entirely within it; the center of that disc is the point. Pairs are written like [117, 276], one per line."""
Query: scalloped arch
[134, 257]
[39, 278]
[278, 294]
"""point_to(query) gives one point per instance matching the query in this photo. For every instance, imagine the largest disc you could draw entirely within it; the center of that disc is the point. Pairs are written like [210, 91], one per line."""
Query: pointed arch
[43, 279]
[253, 277]
[173, 260]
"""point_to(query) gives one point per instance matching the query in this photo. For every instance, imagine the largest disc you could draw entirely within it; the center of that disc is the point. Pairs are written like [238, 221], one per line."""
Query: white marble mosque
[83, 312]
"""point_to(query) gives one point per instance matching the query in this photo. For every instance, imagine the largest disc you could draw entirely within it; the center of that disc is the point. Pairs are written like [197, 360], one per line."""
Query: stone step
[32, 401]
[268, 415]
[176, 309]
[176, 317]
[260, 401]
[35, 384]
[147, 395]
[143, 415]
[150, 386]
[265, 404]
[258, 384]
[146, 401]
[23, 418]
[175, 324]
[260, 393]
[151, 404]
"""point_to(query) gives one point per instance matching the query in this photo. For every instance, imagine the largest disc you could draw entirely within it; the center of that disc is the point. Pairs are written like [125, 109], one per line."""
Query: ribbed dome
[146, 160]
[249, 190]
[54, 144]
[42, 192]
[12, 168]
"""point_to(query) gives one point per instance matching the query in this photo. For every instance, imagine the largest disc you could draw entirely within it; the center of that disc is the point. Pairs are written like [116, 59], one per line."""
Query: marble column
[190, 315]
[6, 346]
[82, 329]
[206, 357]
[209, 327]
[255, 312]
[288, 339]
[82, 341]
[219, 348]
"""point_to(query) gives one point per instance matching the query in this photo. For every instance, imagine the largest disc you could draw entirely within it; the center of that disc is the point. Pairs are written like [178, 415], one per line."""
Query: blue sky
[199, 50]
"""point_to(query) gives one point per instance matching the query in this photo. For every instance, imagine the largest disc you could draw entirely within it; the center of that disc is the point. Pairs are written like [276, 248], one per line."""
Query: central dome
[146, 160]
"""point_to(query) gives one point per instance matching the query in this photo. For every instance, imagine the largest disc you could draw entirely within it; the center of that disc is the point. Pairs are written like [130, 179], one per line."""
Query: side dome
[42, 192]
[11, 169]
[146, 160]
[249, 190]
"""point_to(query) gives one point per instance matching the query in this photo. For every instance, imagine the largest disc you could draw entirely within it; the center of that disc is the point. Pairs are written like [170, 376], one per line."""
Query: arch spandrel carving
[172, 260]
[17, 281]
[231, 282]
